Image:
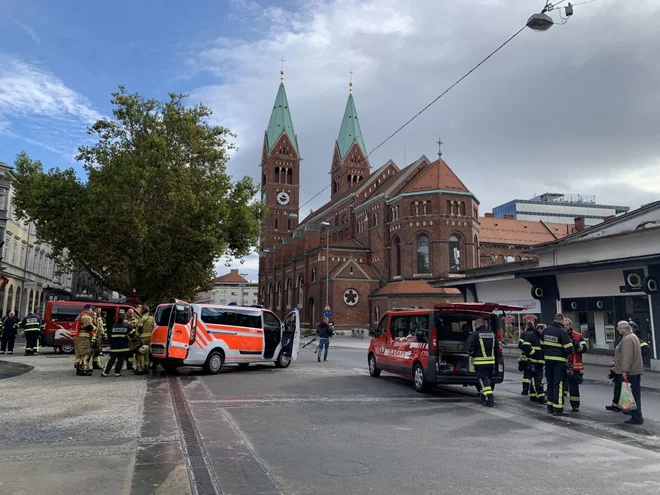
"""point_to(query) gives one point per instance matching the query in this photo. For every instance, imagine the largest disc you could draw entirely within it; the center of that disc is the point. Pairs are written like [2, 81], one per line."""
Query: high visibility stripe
[525, 380]
[556, 358]
[145, 335]
[483, 361]
[560, 399]
[575, 399]
[552, 344]
[568, 346]
[583, 345]
[536, 348]
[537, 361]
[83, 334]
[125, 349]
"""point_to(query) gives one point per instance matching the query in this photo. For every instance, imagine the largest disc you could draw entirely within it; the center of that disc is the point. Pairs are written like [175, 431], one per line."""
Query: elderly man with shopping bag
[628, 363]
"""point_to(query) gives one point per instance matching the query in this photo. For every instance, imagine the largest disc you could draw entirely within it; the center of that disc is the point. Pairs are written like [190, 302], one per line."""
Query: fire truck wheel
[67, 349]
[214, 363]
[283, 361]
[419, 379]
[374, 370]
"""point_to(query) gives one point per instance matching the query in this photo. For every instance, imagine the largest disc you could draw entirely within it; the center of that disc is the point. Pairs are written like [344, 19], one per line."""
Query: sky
[575, 109]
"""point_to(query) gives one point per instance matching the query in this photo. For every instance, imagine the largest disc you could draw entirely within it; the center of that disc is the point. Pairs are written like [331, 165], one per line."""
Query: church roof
[520, 232]
[438, 175]
[350, 131]
[280, 121]
[413, 287]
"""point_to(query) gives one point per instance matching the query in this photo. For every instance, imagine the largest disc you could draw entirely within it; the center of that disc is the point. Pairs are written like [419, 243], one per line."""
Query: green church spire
[280, 121]
[350, 129]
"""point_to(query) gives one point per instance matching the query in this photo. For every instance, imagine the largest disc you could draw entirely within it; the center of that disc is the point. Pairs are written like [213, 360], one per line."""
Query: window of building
[397, 256]
[275, 223]
[376, 313]
[300, 292]
[313, 274]
[278, 296]
[289, 176]
[289, 294]
[454, 254]
[376, 219]
[423, 254]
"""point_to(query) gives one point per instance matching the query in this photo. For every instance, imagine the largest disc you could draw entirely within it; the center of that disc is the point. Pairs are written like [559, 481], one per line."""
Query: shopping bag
[627, 400]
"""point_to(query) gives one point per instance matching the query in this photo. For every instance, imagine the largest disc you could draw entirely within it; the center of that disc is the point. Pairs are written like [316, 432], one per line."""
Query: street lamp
[327, 259]
[266, 251]
[542, 22]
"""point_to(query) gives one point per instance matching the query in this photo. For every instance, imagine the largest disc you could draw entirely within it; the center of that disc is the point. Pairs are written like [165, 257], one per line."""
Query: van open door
[291, 335]
[180, 332]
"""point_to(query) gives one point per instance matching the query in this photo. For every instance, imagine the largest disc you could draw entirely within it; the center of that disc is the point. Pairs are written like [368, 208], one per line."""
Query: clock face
[283, 198]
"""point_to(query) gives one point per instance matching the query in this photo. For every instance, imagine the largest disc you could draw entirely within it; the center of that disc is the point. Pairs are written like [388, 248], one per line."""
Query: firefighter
[556, 345]
[482, 347]
[9, 330]
[31, 327]
[120, 338]
[524, 363]
[134, 343]
[145, 326]
[575, 365]
[532, 346]
[82, 341]
[97, 341]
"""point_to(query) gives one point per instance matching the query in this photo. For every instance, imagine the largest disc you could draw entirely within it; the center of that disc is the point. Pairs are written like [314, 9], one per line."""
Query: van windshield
[65, 313]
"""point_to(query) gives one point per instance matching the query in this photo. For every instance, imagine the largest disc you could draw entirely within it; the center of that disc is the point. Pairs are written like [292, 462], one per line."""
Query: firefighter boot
[490, 401]
[550, 408]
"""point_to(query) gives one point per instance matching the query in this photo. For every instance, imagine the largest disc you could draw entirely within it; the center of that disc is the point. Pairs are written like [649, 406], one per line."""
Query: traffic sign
[327, 313]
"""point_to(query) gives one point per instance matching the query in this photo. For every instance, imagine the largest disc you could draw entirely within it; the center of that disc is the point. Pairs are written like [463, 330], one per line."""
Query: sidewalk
[592, 373]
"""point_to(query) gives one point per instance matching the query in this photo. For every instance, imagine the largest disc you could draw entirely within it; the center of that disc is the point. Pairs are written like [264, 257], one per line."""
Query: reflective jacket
[556, 343]
[100, 327]
[32, 323]
[532, 347]
[579, 348]
[482, 346]
[145, 326]
[646, 349]
[521, 344]
[121, 335]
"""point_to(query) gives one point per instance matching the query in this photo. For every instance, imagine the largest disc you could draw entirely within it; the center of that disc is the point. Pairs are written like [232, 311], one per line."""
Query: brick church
[390, 229]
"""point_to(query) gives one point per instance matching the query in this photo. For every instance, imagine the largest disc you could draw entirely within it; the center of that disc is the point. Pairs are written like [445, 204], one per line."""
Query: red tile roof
[413, 287]
[520, 232]
[231, 277]
[437, 175]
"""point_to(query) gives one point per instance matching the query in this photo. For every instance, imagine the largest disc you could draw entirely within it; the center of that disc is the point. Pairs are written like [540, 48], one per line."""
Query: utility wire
[430, 104]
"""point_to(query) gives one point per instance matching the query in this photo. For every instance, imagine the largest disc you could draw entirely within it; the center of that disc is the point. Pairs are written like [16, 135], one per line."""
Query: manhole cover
[345, 468]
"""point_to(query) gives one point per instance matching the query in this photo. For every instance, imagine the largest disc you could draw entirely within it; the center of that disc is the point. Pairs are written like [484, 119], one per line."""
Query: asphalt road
[313, 428]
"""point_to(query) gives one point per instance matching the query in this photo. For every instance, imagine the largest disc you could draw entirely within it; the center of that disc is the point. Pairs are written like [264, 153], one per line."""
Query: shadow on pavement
[10, 370]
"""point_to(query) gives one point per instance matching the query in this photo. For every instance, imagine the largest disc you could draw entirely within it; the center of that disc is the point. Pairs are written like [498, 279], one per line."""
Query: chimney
[510, 217]
[608, 218]
[489, 215]
[234, 270]
[579, 223]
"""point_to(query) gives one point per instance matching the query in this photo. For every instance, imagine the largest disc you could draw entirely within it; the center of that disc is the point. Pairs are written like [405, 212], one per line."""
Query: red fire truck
[428, 345]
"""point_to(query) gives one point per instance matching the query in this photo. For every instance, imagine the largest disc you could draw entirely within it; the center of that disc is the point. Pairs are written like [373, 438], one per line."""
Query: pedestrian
[32, 327]
[535, 360]
[145, 326]
[9, 330]
[629, 364]
[482, 345]
[524, 363]
[618, 379]
[97, 341]
[556, 347]
[324, 331]
[119, 344]
[575, 375]
[82, 340]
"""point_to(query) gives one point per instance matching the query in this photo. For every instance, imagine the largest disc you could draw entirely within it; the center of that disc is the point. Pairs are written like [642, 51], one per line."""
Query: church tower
[350, 165]
[280, 173]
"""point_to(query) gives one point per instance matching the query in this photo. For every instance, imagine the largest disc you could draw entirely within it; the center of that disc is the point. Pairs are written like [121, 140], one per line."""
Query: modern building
[28, 276]
[231, 288]
[596, 277]
[558, 208]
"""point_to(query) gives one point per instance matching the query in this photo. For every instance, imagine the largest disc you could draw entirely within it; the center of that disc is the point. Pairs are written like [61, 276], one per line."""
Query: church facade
[385, 233]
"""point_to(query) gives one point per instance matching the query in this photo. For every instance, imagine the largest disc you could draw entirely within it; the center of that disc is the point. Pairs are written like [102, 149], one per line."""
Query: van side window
[218, 316]
[399, 326]
[382, 325]
[271, 320]
[247, 318]
[65, 313]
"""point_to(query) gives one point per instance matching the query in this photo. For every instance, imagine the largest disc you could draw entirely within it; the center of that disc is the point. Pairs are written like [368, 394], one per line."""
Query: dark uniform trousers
[484, 374]
[555, 374]
[528, 373]
[115, 357]
[573, 391]
[536, 382]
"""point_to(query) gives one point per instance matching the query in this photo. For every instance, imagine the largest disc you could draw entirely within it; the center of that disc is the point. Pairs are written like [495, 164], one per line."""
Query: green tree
[157, 208]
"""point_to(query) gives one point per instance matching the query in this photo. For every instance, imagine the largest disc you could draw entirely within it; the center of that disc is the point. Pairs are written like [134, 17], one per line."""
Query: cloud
[38, 108]
[248, 265]
[31, 32]
[563, 109]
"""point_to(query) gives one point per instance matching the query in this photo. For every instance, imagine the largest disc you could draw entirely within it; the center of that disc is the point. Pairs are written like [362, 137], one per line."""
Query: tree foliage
[157, 208]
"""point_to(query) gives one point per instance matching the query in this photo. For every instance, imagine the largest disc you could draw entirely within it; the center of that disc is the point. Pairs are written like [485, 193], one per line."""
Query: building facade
[378, 241]
[28, 276]
[558, 208]
[231, 288]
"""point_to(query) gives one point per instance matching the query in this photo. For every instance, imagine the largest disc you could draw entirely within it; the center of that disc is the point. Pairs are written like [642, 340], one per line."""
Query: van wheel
[283, 361]
[67, 349]
[419, 379]
[374, 370]
[214, 363]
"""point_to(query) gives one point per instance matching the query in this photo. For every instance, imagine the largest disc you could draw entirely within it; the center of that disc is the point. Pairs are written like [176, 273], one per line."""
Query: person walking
[31, 328]
[575, 375]
[9, 330]
[618, 379]
[482, 345]
[629, 364]
[324, 331]
[556, 346]
[119, 344]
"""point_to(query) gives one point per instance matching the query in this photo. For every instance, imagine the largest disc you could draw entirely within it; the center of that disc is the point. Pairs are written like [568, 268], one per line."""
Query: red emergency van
[428, 345]
[60, 318]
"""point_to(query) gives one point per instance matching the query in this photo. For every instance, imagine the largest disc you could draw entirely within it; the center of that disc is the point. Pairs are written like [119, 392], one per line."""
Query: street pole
[327, 263]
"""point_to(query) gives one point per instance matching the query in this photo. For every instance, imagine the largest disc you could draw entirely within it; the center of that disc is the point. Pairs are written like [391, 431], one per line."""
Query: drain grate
[203, 480]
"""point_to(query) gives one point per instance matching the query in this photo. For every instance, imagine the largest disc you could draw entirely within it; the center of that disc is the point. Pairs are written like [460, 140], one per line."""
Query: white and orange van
[213, 336]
